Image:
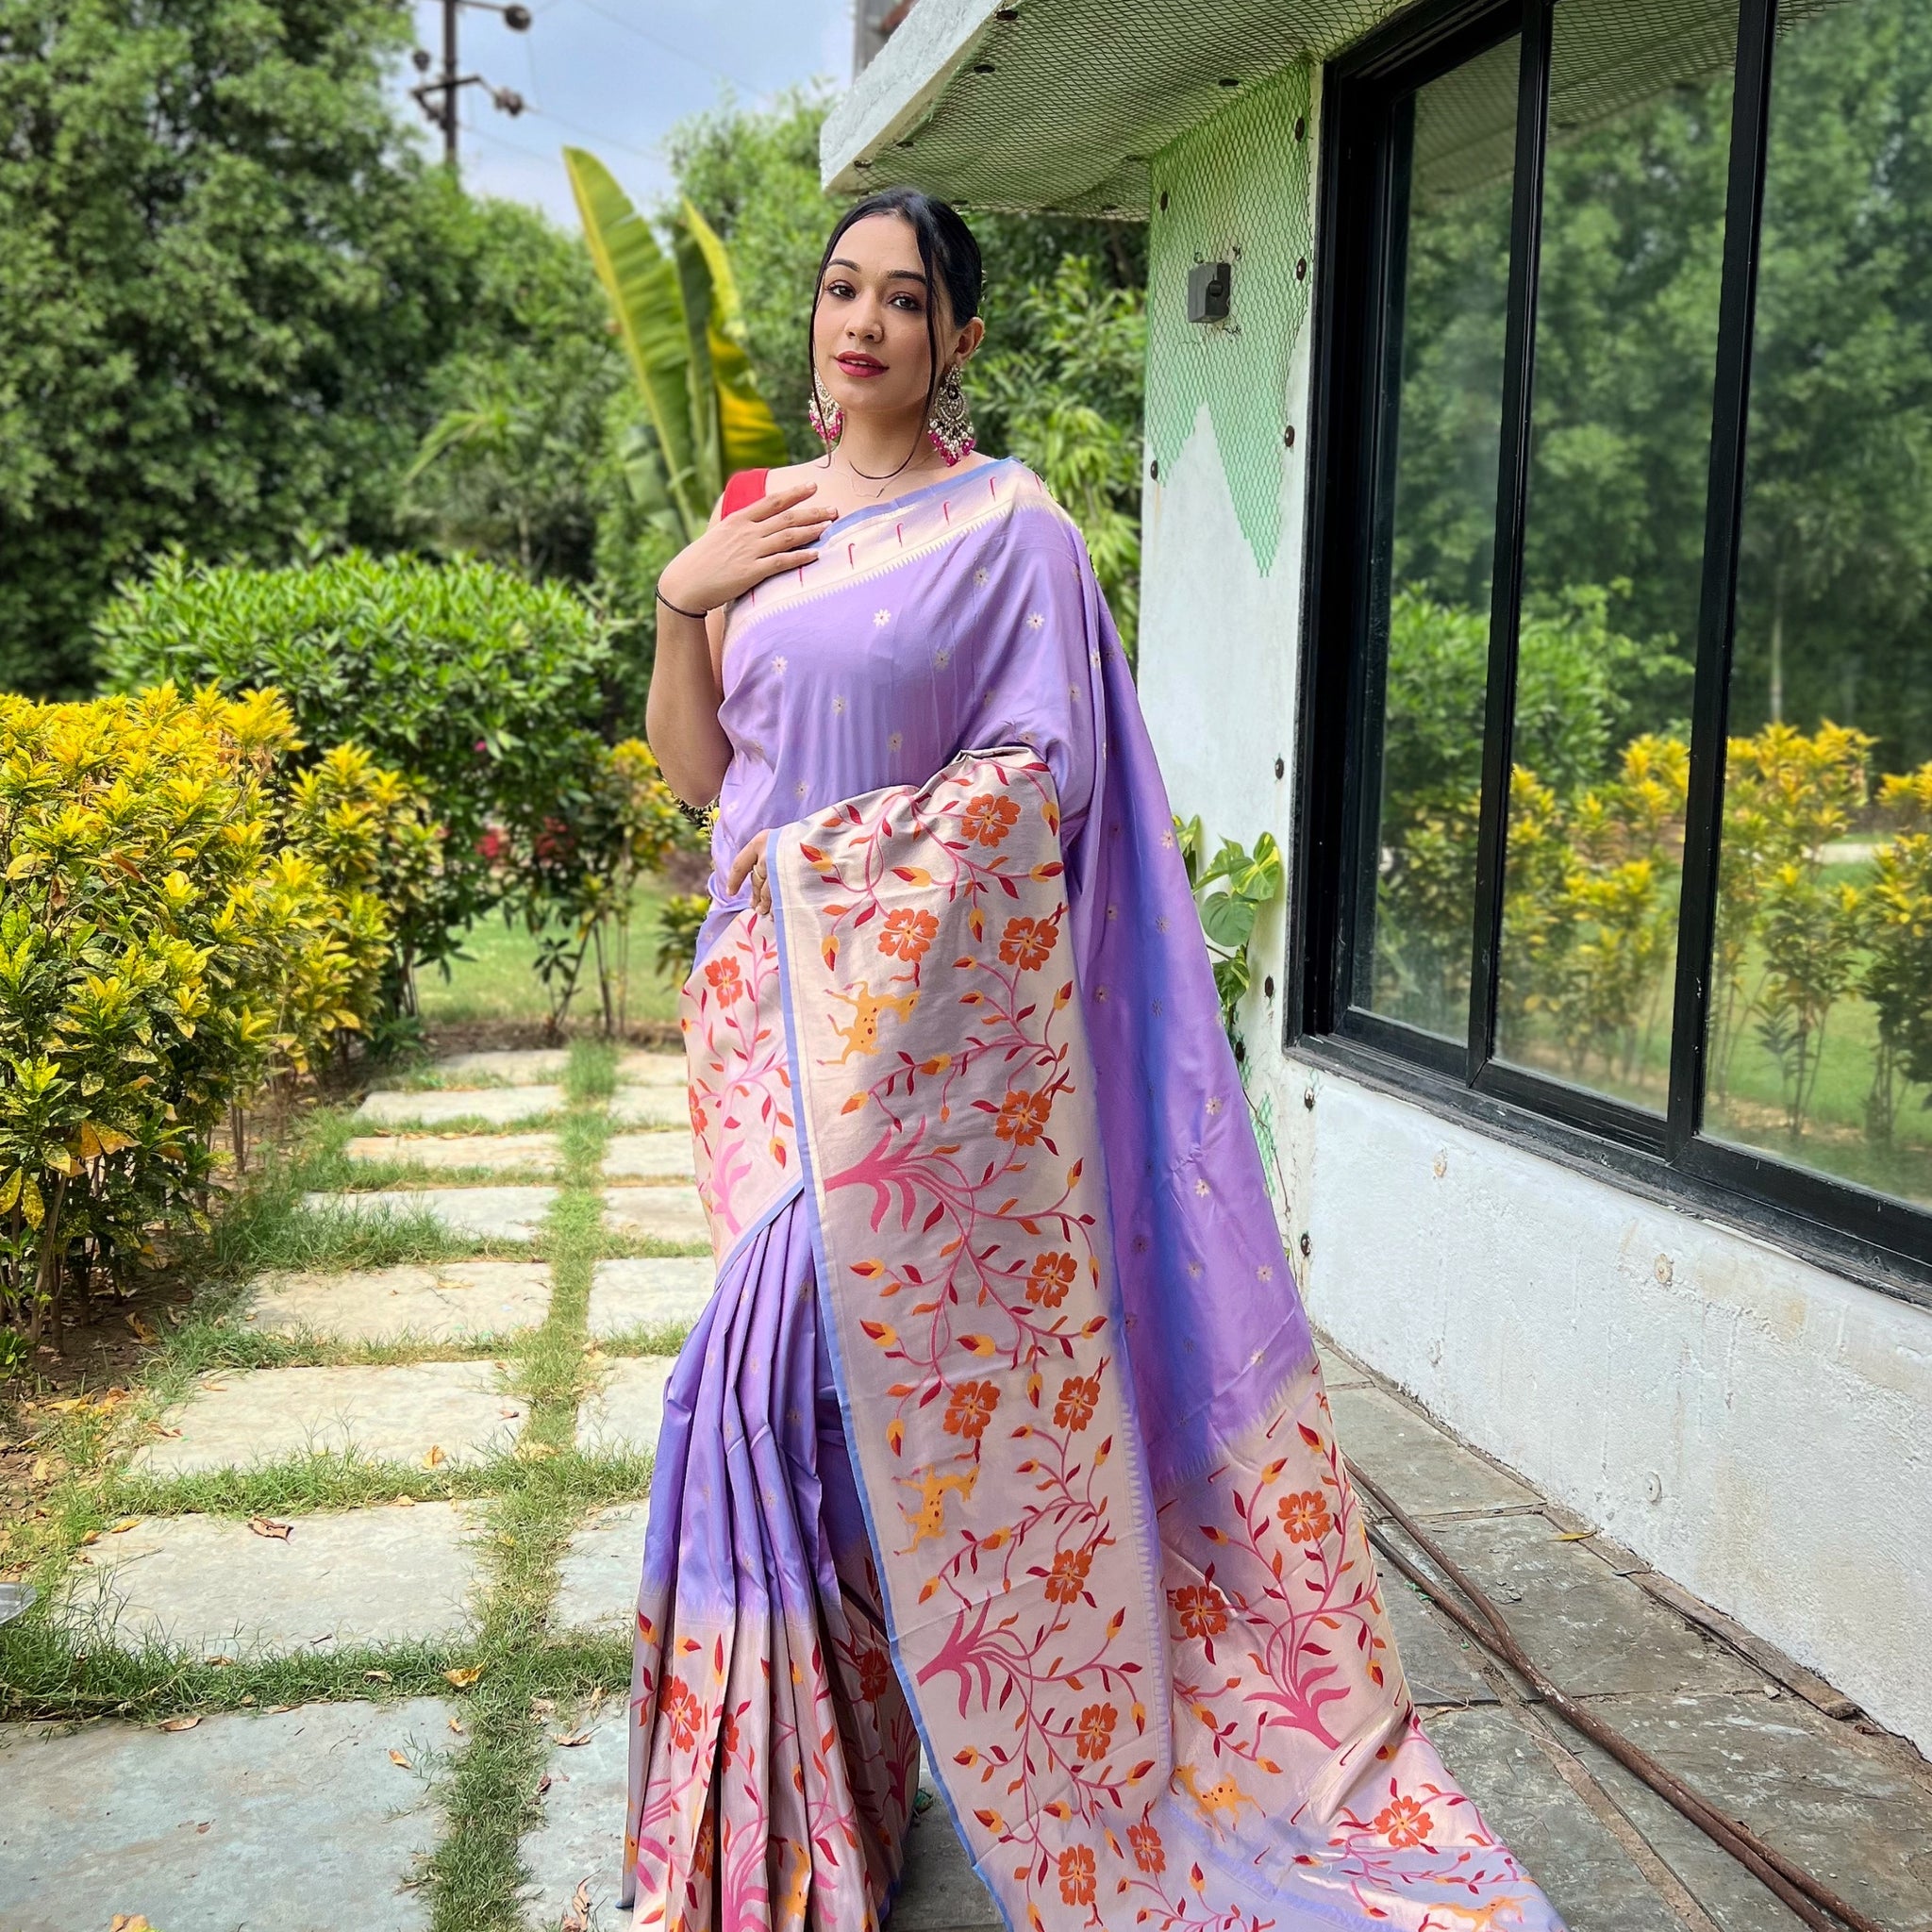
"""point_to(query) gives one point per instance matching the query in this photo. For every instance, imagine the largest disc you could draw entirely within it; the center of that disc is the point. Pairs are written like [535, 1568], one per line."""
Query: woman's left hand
[751, 860]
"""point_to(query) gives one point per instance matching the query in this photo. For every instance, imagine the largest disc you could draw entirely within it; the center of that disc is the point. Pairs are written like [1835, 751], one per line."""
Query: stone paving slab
[669, 1212]
[386, 1414]
[598, 1579]
[661, 1156]
[622, 1417]
[653, 1070]
[502, 1107]
[481, 1215]
[527, 1067]
[1440, 1663]
[446, 1301]
[210, 1585]
[498, 1153]
[579, 1838]
[650, 1106]
[939, 1892]
[1594, 1631]
[1591, 1879]
[1423, 1467]
[1337, 1371]
[1844, 1807]
[626, 1297]
[289, 1821]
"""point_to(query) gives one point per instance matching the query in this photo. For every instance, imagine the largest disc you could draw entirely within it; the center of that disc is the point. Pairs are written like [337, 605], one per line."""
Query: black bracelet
[695, 616]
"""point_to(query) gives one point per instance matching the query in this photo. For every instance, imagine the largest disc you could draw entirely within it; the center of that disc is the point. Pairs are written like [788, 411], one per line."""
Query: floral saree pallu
[944, 1490]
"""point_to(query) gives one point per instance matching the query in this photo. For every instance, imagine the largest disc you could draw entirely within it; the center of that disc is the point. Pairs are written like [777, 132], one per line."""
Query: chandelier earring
[950, 428]
[827, 418]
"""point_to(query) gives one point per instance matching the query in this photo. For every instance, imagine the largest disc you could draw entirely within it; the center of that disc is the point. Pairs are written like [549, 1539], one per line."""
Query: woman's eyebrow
[910, 274]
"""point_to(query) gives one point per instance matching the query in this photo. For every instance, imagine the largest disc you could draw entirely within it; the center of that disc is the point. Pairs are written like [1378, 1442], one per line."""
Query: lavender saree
[1003, 1433]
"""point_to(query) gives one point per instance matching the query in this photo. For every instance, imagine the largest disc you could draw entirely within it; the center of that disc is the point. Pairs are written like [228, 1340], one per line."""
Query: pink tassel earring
[827, 418]
[949, 429]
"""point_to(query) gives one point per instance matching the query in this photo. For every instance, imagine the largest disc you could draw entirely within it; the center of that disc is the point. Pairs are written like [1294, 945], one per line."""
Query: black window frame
[1879, 1240]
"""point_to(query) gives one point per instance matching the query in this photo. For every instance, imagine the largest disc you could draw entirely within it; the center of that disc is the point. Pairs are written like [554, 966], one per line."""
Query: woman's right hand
[739, 552]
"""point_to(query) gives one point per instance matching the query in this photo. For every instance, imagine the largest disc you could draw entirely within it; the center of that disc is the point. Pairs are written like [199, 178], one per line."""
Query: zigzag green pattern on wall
[1237, 188]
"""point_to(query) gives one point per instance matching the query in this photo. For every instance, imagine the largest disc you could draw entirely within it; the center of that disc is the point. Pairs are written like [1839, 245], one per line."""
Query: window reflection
[1449, 326]
[1821, 1027]
[1633, 220]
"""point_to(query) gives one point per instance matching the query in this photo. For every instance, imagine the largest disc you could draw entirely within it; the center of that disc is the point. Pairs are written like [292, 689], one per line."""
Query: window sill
[1647, 1175]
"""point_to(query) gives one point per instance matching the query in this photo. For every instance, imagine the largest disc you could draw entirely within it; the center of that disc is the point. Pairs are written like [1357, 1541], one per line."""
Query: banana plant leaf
[749, 435]
[646, 298]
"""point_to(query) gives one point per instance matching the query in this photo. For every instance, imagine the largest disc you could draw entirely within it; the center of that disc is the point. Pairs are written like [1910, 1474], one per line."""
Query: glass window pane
[1455, 156]
[1821, 1027]
[1613, 550]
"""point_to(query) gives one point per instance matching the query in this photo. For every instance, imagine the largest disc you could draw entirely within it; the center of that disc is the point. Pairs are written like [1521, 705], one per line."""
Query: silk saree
[1002, 1439]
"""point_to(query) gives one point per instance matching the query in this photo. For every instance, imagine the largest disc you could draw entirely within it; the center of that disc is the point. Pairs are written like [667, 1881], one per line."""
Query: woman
[1003, 1431]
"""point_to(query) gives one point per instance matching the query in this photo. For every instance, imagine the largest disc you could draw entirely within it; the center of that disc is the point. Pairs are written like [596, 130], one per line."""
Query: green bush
[485, 690]
[168, 943]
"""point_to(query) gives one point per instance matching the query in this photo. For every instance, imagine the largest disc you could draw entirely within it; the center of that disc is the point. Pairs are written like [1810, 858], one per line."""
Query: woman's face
[869, 336]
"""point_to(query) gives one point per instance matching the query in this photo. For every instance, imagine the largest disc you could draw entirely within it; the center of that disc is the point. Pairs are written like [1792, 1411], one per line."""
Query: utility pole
[437, 98]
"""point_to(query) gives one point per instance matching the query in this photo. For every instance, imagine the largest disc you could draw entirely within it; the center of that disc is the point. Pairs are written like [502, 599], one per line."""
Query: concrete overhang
[1057, 105]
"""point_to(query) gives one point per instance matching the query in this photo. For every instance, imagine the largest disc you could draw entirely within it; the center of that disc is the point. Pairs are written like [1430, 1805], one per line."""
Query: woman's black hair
[947, 253]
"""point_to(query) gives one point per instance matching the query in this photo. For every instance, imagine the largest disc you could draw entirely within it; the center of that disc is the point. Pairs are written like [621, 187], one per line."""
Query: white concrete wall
[1755, 1428]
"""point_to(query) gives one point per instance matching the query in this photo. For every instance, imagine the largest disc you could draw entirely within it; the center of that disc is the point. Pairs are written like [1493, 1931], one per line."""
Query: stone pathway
[282, 1524]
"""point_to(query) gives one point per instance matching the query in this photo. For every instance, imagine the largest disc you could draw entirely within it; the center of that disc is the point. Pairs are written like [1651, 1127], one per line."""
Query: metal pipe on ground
[1808, 1897]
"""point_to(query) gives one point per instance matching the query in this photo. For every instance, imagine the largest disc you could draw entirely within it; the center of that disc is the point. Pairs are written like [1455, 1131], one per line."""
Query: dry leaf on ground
[397, 1758]
[464, 1678]
[434, 1456]
[264, 1526]
[571, 1743]
[122, 1528]
[578, 1918]
[123, 1922]
[179, 1724]
[144, 1330]
[378, 1677]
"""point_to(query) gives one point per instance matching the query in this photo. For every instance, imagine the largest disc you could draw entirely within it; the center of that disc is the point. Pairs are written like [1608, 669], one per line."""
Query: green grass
[530, 1682]
[496, 978]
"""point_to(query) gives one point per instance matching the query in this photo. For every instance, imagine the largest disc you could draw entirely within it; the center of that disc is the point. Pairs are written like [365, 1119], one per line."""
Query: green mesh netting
[1058, 106]
[1236, 189]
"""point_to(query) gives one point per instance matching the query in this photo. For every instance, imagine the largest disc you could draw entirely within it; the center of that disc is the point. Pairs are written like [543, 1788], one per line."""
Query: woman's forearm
[681, 711]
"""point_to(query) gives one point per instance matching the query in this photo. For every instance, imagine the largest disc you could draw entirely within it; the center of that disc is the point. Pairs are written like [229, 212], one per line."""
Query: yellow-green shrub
[182, 919]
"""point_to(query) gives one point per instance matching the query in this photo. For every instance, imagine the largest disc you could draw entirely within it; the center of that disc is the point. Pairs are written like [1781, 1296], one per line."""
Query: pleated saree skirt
[773, 1790]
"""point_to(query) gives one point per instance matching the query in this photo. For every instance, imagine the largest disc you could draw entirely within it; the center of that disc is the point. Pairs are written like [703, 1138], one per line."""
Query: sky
[615, 75]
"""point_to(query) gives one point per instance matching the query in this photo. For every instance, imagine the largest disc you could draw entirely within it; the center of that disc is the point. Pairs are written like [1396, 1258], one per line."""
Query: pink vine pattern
[1182, 1712]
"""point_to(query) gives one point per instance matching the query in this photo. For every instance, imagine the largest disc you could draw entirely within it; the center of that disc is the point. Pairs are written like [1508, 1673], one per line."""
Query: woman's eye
[908, 303]
[842, 290]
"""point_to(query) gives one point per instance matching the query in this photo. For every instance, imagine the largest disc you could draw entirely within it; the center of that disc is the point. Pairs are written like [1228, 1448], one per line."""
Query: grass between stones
[525, 1685]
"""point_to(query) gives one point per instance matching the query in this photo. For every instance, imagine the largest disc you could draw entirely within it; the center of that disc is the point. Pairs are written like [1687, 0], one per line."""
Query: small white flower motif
[1113, 911]
[1194, 1269]
[1167, 841]
[1093, 659]
[1201, 1188]
[942, 658]
[1215, 1107]
[801, 787]
[1034, 620]
[979, 576]
[1100, 992]
[1264, 1273]
[1139, 1244]
[778, 665]
[1157, 1009]
[1073, 692]
[894, 742]
[1162, 923]
[837, 707]
[881, 618]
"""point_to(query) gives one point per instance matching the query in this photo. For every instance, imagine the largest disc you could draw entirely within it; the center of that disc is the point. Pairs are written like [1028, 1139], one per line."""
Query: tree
[226, 273]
